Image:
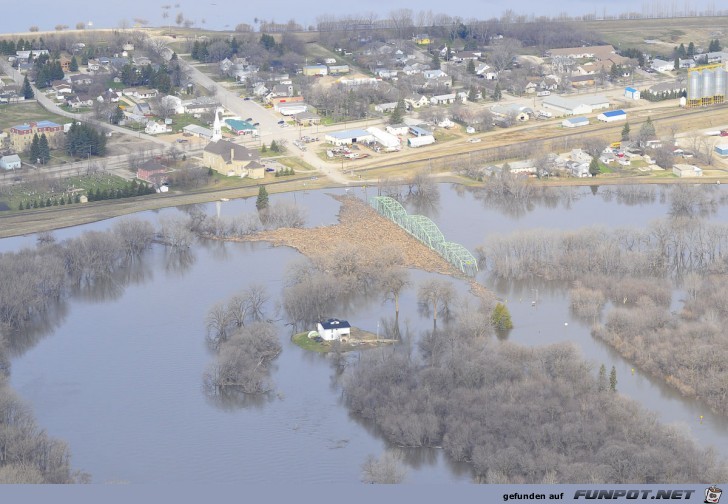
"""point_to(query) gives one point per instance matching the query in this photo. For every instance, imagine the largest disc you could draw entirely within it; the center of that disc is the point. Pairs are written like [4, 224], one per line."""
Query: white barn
[10, 162]
[333, 329]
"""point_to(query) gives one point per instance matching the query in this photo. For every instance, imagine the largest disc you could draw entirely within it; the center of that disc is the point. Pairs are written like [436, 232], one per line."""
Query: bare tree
[387, 469]
[435, 297]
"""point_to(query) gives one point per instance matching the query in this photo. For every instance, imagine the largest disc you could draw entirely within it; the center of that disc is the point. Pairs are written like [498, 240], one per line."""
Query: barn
[613, 116]
[333, 329]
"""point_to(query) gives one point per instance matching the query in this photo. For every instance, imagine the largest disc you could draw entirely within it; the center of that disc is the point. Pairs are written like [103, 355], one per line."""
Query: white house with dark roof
[333, 329]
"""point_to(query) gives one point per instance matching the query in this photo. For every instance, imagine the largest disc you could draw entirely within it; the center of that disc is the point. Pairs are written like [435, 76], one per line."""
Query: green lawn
[302, 340]
[182, 120]
[24, 112]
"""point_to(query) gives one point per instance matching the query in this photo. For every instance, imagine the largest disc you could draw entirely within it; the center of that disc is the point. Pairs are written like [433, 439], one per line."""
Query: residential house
[282, 90]
[662, 66]
[333, 329]
[21, 135]
[232, 159]
[260, 89]
[422, 39]
[433, 74]
[78, 101]
[198, 131]
[155, 128]
[200, 104]
[152, 171]
[81, 80]
[415, 101]
[385, 107]
[143, 109]
[141, 61]
[445, 99]
[306, 118]
[578, 169]
[276, 101]
[582, 80]
[397, 129]
[385, 73]
[10, 162]
[94, 65]
[419, 131]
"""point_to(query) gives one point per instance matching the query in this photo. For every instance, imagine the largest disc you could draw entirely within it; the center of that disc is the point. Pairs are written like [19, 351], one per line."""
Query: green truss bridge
[427, 232]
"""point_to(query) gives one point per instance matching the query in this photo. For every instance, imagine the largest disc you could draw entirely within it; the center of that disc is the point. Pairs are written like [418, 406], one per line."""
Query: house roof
[224, 148]
[335, 324]
[152, 165]
[577, 120]
[238, 125]
[614, 113]
[12, 158]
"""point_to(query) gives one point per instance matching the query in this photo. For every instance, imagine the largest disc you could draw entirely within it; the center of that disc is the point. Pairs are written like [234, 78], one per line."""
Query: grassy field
[668, 32]
[24, 112]
[29, 191]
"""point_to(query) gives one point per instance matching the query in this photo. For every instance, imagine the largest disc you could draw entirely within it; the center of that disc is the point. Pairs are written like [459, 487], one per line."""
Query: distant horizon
[226, 14]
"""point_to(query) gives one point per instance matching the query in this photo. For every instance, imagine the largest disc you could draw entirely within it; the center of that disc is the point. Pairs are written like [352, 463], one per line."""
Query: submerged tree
[501, 318]
[613, 379]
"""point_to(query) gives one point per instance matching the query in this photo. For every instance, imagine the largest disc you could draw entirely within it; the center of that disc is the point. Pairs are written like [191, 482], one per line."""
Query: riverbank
[358, 340]
[49, 219]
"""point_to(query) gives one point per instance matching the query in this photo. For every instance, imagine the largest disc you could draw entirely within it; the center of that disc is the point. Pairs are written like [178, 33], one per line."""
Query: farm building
[685, 170]
[241, 127]
[519, 112]
[333, 329]
[631, 93]
[722, 149]
[348, 137]
[385, 107]
[613, 116]
[575, 122]
[421, 141]
[338, 69]
[387, 140]
[152, 171]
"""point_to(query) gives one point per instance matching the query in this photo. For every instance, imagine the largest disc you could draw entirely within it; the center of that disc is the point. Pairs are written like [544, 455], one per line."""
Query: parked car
[249, 119]
[281, 122]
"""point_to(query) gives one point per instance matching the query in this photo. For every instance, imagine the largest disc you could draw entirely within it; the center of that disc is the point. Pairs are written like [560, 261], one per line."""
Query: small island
[338, 335]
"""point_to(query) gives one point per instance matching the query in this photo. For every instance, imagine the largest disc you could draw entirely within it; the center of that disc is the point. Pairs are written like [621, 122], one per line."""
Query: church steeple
[217, 127]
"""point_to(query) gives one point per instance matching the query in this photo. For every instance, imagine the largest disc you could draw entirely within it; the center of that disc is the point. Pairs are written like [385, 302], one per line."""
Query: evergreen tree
[613, 380]
[625, 132]
[647, 131]
[614, 72]
[472, 94]
[21, 206]
[63, 200]
[73, 65]
[676, 64]
[497, 95]
[602, 381]
[397, 113]
[35, 149]
[263, 148]
[27, 90]
[501, 318]
[435, 61]
[594, 167]
[471, 67]
[274, 146]
[44, 150]
[691, 50]
[117, 115]
[681, 51]
[262, 201]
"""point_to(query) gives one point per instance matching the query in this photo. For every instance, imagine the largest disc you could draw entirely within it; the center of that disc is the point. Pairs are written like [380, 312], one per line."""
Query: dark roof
[223, 148]
[335, 324]
[152, 164]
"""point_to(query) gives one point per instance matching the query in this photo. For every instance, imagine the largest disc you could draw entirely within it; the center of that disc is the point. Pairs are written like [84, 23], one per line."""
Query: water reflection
[178, 261]
[20, 341]
[229, 400]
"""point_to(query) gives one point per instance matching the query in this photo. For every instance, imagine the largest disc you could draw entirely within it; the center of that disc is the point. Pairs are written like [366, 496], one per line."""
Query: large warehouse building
[348, 137]
[575, 106]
